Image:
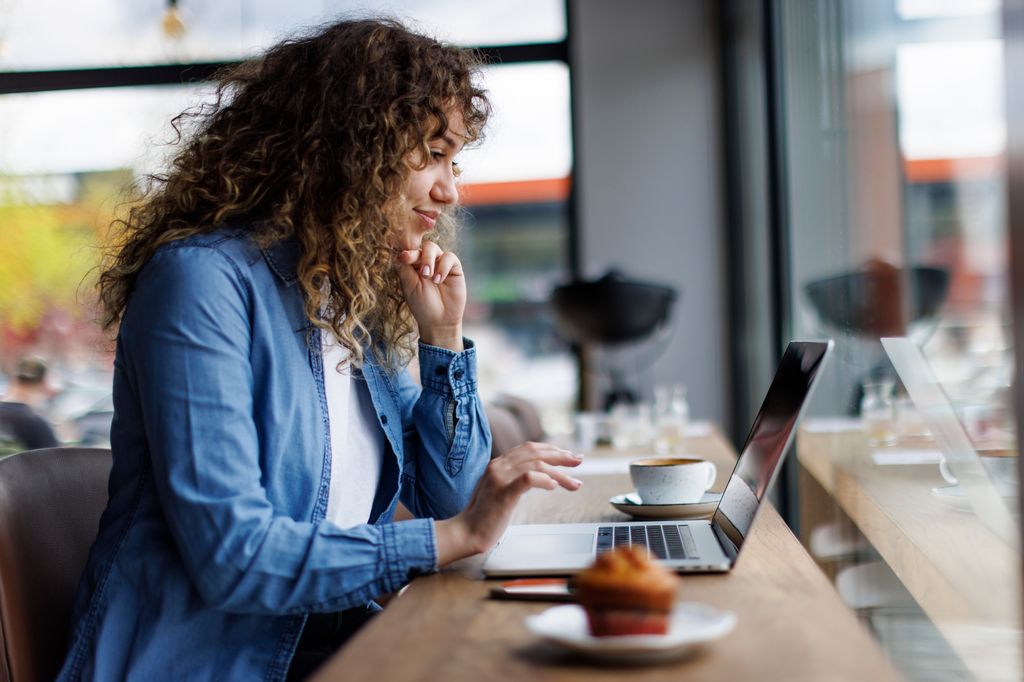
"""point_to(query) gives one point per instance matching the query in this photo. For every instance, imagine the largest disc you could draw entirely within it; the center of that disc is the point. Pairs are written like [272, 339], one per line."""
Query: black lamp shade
[869, 301]
[611, 310]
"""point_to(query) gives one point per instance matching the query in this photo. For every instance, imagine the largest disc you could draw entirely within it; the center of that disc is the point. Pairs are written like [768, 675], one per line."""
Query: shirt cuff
[410, 549]
[447, 372]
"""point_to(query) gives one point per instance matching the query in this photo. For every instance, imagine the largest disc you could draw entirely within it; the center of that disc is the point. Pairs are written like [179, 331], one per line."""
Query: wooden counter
[791, 623]
[962, 575]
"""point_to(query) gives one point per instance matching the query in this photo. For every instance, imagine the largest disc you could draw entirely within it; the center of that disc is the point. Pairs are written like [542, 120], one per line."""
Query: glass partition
[893, 145]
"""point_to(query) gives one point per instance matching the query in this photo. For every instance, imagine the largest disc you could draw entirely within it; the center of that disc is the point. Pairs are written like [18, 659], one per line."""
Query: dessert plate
[690, 624]
[630, 503]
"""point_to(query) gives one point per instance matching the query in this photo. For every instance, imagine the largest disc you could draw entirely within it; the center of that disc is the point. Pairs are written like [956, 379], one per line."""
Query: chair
[506, 430]
[50, 506]
[525, 413]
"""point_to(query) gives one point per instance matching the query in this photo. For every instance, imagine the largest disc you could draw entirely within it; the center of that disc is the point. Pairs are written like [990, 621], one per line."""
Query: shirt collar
[283, 257]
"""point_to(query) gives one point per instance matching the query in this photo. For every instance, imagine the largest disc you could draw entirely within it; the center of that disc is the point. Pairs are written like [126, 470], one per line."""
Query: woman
[267, 296]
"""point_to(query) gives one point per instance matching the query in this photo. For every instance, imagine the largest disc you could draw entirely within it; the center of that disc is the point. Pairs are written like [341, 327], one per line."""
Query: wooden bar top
[961, 574]
[791, 623]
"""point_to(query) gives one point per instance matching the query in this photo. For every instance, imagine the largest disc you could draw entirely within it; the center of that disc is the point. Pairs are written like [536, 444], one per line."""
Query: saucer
[691, 623]
[629, 503]
[957, 495]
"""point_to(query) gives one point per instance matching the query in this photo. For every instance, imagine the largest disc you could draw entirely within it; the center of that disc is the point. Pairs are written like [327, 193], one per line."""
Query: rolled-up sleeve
[447, 438]
[185, 341]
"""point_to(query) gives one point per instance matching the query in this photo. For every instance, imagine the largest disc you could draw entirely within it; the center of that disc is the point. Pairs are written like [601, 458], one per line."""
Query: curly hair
[312, 142]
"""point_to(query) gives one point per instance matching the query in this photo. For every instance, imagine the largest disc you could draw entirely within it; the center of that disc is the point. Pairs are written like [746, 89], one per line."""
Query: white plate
[629, 503]
[690, 624]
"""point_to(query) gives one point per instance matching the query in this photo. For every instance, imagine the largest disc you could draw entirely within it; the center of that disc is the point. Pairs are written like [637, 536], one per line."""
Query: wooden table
[962, 576]
[792, 625]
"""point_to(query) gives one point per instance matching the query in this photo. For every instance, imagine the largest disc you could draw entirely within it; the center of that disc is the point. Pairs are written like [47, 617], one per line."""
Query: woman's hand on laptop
[480, 525]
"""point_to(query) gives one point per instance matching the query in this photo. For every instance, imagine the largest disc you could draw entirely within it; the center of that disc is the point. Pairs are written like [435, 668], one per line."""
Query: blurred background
[755, 170]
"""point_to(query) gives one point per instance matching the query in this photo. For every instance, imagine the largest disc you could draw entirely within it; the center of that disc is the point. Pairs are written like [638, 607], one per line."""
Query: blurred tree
[48, 262]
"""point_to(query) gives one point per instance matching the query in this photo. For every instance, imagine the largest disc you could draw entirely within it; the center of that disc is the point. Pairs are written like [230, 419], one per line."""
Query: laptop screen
[760, 460]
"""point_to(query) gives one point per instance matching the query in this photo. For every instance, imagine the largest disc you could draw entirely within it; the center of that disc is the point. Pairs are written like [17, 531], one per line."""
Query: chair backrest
[506, 431]
[526, 414]
[50, 506]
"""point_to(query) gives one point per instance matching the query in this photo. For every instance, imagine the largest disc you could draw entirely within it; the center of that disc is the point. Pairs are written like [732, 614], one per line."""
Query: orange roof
[939, 170]
[518, 192]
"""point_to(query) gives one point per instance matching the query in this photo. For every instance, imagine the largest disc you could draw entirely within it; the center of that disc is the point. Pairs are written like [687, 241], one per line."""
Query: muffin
[625, 593]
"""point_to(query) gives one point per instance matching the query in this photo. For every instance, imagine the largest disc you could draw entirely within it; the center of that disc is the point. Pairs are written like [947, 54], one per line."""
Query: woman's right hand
[481, 524]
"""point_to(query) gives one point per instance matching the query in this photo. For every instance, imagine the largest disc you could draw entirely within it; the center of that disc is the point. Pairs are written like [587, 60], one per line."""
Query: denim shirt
[213, 546]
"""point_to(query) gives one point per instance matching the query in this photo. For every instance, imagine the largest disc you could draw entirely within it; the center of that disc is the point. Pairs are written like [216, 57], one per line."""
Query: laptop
[686, 546]
[986, 496]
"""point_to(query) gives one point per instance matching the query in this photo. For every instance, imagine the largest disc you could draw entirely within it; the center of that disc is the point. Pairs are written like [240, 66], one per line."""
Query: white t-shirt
[357, 440]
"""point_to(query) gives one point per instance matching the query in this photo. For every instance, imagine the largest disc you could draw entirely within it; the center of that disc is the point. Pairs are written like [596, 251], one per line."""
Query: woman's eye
[436, 155]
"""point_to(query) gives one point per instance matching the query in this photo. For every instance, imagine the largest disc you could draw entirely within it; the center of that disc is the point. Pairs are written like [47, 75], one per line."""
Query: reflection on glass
[895, 144]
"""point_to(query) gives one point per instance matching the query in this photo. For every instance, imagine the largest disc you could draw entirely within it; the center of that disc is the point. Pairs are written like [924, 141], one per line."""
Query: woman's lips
[428, 217]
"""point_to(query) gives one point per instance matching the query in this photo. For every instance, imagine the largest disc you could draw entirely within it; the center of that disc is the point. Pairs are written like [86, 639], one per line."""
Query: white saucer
[954, 493]
[691, 623]
[629, 503]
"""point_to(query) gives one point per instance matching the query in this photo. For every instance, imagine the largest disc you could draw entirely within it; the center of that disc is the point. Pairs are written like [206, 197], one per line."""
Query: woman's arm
[447, 438]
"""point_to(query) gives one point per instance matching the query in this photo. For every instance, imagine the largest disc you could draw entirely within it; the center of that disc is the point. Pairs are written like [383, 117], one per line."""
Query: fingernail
[577, 455]
[577, 481]
[425, 271]
[437, 279]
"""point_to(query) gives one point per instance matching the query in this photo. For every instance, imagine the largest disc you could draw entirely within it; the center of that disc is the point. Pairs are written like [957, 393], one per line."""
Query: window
[894, 147]
[68, 156]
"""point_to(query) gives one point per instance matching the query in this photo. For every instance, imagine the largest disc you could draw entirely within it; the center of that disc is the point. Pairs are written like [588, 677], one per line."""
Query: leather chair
[50, 506]
[526, 414]
[506, 430]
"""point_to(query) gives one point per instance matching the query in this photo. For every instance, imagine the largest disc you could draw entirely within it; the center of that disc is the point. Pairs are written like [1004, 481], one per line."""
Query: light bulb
[172, 24]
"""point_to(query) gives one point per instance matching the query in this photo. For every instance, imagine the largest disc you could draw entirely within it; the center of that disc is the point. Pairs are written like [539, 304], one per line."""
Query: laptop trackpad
[569, 543]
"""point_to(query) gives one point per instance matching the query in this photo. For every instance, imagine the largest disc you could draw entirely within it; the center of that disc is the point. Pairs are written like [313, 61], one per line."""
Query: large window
[70, 157]
[893, 150]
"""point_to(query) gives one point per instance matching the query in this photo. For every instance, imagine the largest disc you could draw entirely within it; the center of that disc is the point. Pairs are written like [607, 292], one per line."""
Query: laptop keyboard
[665, 541]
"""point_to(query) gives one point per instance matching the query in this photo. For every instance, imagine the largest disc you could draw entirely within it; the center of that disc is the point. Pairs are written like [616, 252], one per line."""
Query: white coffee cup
[672, 480]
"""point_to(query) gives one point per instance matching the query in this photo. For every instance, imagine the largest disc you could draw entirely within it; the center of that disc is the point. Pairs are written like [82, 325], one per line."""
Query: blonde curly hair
[312, 142]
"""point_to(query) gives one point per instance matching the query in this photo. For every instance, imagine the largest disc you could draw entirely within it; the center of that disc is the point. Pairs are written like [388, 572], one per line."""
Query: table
[791, 623]
[961, 575]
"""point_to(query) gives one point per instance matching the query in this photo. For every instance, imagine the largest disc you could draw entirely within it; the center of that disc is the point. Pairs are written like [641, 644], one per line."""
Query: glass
[671, 419]
[894, 143]
[56, 34]
[590, 429]
[631, 426]
[877, 413]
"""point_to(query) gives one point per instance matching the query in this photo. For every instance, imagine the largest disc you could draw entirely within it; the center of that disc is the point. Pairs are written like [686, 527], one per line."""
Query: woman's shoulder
[233, 241]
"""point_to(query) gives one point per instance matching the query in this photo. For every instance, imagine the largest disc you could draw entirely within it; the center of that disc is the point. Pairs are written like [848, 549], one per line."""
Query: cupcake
[625, 593]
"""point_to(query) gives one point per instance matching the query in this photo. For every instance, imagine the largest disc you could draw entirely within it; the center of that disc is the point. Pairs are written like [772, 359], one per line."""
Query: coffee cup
[672, 480]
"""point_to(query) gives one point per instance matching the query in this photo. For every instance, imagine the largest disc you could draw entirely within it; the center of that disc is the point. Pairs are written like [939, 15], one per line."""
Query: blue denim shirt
[213, 546]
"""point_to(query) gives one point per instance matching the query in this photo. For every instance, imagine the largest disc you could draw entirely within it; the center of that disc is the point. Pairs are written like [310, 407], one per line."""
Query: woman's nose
[445, 190]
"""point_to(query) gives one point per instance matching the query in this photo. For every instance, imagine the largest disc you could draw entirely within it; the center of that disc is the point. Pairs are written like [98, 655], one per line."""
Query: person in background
[268, 294]
[21, 426]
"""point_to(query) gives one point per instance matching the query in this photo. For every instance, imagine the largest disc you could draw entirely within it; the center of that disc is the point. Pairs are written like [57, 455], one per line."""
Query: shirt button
[383, 419]
[457, 374]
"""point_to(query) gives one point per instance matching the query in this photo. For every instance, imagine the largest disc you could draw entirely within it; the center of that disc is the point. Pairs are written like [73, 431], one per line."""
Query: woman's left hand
[435, 289]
